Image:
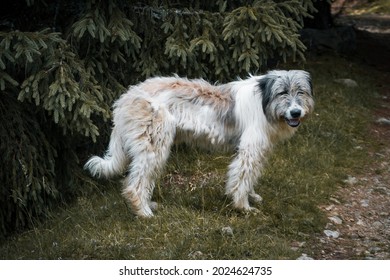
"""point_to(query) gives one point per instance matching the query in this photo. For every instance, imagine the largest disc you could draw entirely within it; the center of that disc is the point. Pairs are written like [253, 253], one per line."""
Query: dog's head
[287, 96]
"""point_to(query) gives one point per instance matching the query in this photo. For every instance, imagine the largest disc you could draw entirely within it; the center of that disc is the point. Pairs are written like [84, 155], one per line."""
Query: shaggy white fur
[248, 116]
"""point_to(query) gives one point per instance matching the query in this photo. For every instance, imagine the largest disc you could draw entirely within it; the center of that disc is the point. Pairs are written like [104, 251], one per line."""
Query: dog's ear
[310, 84]
[265, 84]
[308, 78]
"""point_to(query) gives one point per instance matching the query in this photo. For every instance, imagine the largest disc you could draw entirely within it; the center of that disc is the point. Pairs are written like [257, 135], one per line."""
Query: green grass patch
[301, 174]
[381, 7]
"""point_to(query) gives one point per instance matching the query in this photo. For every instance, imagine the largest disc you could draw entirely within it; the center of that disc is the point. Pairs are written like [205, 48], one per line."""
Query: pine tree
[63, 63]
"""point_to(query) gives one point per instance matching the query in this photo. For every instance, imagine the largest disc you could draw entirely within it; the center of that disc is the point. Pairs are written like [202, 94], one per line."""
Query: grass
[381, 7]
[301, 174]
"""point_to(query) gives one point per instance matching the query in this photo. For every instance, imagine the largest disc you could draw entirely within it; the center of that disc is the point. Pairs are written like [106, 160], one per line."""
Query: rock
[195, 255]
[377, 225]
[228, 231]
[332, 233]
[330, 207]
[360, 223]
[350, 180]
[347, 82]
[335, 219]
[364, 203]
[383, 121]
[335, 200]
[374, 249]
[295, 246]
[305, 257]
[354, 236]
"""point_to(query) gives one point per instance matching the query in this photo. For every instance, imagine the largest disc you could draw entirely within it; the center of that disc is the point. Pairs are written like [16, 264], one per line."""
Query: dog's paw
[145, 213]
[255, 198]
[252, 211]
[153, 205]
[248, 210]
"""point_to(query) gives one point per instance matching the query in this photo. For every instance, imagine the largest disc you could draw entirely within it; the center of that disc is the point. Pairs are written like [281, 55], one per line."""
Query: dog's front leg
[243, 174]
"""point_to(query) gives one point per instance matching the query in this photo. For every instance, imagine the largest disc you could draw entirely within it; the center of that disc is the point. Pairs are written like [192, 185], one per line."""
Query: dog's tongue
[293, 122]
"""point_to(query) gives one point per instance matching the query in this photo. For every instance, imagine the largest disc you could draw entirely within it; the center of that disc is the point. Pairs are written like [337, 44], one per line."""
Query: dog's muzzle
[294, 118]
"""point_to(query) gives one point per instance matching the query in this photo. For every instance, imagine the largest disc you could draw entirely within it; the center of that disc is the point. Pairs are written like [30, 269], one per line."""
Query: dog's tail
[114, 161]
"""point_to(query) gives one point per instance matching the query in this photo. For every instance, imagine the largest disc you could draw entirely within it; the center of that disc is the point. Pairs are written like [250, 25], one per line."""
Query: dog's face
[287, 96]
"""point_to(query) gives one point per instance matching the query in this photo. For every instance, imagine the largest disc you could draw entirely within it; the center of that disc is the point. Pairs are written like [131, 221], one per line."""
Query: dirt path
[359, 213]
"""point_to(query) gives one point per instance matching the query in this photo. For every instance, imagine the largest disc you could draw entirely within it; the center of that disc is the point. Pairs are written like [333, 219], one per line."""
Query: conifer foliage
[63, 63]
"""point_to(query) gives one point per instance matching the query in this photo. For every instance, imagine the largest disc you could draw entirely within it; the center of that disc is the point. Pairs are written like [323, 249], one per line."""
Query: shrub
[62, 63]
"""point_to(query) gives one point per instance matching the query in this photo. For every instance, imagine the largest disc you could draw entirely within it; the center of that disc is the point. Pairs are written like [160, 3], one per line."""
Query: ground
[196, 221]
[359, 212]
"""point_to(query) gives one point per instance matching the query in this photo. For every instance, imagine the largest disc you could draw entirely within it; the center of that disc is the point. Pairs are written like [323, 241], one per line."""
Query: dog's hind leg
[139, 184]
[149, 153]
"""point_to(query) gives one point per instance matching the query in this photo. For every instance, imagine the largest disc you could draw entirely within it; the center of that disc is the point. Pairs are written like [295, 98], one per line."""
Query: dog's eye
[282, 93]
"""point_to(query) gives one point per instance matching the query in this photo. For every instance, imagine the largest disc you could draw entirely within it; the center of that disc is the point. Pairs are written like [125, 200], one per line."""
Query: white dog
[249, 116]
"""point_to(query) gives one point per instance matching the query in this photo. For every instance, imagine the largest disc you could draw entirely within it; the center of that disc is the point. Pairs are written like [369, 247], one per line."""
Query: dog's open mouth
[293, 122]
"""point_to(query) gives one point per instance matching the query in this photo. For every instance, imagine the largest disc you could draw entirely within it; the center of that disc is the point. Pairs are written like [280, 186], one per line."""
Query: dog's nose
[295, 113]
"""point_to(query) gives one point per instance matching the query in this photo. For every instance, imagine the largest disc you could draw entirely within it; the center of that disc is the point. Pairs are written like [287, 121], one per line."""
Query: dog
[248, 116]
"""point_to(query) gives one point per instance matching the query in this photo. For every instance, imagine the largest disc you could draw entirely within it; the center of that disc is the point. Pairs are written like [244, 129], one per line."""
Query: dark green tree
[63, 63]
